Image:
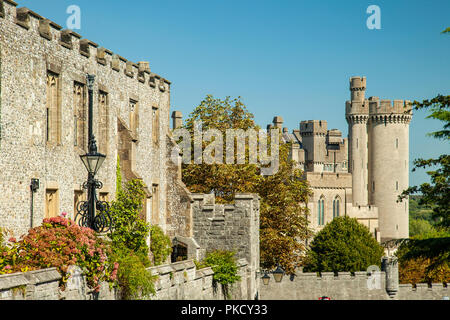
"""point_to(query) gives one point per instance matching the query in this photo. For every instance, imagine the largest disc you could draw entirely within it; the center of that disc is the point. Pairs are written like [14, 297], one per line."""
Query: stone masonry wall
[44, 285]
[182, 281]
[176, 281]
[233, 227]
[345, 286]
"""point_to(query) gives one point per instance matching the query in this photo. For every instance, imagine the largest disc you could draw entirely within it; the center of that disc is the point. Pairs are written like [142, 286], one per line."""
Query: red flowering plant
[60, 243]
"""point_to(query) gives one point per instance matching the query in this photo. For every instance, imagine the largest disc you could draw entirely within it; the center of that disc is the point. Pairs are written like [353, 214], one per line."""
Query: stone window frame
[53, 112]
[336, 206]
[80, 118]
[54, 191]
[321, 211]
[155, 203]
[104, 121]
[155, 124]
[133, 105]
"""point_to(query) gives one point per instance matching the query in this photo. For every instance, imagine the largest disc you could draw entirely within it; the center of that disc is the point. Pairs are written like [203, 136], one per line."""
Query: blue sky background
[287, 58]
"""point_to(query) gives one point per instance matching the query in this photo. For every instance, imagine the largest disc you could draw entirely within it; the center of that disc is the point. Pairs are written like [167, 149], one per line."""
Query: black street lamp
[278, 274]
[86, 210]
[265, 278]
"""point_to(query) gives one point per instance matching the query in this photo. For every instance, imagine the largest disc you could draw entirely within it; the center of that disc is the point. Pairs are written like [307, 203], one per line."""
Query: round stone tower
[389, 164]
[357, 115]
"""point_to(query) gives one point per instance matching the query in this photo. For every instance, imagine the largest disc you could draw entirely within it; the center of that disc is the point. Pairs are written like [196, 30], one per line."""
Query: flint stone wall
[44, 285]
[176, 281]
[232, 227]
[345, 286]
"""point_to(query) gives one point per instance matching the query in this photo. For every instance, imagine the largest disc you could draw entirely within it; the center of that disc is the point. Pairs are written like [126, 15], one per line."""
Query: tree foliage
[434, 195]
[283, 218]
[160, 245]
[427, 267]
[224, 180]
[283, 213]
[343, 245]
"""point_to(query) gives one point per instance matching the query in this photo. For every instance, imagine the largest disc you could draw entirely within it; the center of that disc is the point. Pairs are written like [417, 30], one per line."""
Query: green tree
[224, 180]
[419, 212]
[283, 213]
[419, 226]
[419, 269]
[343, 245]
[283, 218]
[434, 195]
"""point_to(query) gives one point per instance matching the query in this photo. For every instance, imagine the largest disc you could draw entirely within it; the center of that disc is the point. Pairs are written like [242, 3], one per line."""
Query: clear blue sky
[287, 58]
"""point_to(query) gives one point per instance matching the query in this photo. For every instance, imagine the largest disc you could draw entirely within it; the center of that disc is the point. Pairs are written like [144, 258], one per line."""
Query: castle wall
[176, 281]
[329, 187]
[312, 286]
[346, 286]
[30, 48]
[358, 160]
[232, 227]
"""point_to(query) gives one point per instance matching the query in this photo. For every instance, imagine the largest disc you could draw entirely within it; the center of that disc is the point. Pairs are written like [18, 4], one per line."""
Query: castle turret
[357, 115]
[313, 134]
[389, 164]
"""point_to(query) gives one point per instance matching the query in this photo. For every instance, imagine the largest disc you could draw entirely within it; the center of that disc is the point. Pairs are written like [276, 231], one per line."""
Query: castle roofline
[47, 29]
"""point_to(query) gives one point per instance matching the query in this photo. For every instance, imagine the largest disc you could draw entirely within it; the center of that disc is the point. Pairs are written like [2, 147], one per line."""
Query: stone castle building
[44, 121]
[360, 176]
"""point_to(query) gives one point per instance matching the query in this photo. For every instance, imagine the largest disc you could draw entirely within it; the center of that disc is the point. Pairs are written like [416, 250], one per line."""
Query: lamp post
[86, 210]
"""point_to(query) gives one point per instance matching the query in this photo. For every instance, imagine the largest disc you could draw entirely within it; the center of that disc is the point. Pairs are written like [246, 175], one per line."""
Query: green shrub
[223, 263]
[130, 230]
[343, 245]
[135, 281]
[160, 245]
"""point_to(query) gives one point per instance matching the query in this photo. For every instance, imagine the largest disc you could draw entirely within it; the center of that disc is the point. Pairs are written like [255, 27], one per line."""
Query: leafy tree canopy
[283, 195]
[343, 245]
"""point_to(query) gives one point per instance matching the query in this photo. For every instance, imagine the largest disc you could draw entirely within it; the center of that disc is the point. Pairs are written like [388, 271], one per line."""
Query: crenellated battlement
[377, 106]
[356, 108]
[396, 111]
[313, 127]
[33, 22]
[361, 285]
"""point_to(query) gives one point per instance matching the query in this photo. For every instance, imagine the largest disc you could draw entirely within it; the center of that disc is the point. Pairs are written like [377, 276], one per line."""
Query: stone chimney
[177, 118]
[278, 122]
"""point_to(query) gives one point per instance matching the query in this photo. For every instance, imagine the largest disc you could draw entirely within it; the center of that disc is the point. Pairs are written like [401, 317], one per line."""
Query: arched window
[320, 206]
[336, 207]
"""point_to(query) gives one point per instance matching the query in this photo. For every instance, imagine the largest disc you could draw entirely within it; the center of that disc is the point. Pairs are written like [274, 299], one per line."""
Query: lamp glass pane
[278, 276]
[100, 160]
[93, 162]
